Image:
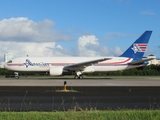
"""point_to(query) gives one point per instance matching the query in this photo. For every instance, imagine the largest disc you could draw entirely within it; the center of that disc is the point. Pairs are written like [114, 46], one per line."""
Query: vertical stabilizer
[137, 49]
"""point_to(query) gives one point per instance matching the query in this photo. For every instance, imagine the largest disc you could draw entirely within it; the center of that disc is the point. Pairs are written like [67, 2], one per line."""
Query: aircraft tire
[76, 77]
[80, 77]
[17, 77]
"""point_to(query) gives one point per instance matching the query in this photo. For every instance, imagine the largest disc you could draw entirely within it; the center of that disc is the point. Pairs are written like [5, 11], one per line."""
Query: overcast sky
[76, 27]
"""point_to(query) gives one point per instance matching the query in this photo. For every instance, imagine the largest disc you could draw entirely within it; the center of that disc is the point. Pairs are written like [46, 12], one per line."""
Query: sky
[76, 27]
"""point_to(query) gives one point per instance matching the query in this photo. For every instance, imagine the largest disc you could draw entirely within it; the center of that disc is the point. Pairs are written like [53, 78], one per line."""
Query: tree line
[151, 70]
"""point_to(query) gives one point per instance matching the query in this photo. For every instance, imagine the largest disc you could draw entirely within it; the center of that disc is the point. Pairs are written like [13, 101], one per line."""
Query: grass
[66, 90]
[84, 115]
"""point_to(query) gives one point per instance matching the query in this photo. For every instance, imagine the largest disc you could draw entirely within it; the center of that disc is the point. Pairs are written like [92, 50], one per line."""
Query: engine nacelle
[57, 70]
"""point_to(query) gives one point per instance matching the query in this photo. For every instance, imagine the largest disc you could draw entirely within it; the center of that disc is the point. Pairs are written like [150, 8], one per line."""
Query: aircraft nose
[2, 64]
[5, 65]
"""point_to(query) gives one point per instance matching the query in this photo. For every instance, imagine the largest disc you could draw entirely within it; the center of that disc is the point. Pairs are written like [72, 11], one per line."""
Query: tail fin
[137, 49]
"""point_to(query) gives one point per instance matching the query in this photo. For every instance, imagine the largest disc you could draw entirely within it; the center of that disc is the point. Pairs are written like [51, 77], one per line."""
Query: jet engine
[58, 70]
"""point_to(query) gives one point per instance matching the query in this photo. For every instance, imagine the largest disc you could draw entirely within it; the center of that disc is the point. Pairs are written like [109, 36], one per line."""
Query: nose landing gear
[16, 75]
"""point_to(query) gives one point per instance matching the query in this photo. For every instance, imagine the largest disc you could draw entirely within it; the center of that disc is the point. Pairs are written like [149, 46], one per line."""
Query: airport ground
[44, 94]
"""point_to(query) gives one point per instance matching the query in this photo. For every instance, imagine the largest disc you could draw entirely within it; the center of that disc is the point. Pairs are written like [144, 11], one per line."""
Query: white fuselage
[43, 64]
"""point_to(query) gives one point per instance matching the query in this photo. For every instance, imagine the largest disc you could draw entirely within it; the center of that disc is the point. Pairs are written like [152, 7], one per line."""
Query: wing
[140, 61]
[82, 65]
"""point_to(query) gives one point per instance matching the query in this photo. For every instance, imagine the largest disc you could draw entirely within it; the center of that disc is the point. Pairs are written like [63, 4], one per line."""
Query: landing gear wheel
[76, 77]
[16, 75]
[80, 77]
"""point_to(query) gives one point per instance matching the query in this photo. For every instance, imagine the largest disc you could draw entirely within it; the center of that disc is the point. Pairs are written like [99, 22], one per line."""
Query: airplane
[58, 66]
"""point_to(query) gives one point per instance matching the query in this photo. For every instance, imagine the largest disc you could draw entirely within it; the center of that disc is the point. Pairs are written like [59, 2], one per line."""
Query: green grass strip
[84, 115]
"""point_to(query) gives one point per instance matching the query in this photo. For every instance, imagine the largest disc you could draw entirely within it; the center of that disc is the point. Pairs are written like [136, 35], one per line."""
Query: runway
[99, 94]
[80, 82]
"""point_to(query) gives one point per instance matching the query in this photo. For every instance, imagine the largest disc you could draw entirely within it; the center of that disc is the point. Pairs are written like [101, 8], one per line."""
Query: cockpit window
[9, 61]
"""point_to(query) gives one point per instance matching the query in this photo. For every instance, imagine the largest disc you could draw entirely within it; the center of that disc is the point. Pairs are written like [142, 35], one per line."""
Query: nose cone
[2, 64]
[5, 65]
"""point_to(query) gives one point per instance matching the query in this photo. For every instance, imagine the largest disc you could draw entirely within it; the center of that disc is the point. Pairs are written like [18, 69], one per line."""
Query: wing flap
[82, 65]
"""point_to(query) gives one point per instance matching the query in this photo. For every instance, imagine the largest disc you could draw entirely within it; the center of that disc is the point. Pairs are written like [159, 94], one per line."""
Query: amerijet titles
[29, 63]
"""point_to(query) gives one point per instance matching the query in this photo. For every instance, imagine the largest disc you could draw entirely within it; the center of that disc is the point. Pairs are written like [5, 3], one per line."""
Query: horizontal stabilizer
[140, 61]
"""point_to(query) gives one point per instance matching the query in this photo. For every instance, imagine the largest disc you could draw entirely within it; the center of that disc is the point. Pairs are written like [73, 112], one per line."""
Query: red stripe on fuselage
[12, 64]
[62, 64]
[117, 62]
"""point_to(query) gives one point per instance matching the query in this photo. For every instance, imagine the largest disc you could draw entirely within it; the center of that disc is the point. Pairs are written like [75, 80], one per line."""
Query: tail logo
[140, 47]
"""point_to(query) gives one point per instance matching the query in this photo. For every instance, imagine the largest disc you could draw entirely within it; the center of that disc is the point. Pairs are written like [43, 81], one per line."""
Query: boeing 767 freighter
[131, 58]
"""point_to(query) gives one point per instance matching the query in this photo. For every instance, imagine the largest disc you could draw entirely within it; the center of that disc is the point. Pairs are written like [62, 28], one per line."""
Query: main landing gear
[16, 75]
[78, 75]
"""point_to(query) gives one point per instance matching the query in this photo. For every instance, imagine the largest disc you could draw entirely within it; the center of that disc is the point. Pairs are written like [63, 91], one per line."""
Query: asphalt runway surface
[100, 94]
[80, 82]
